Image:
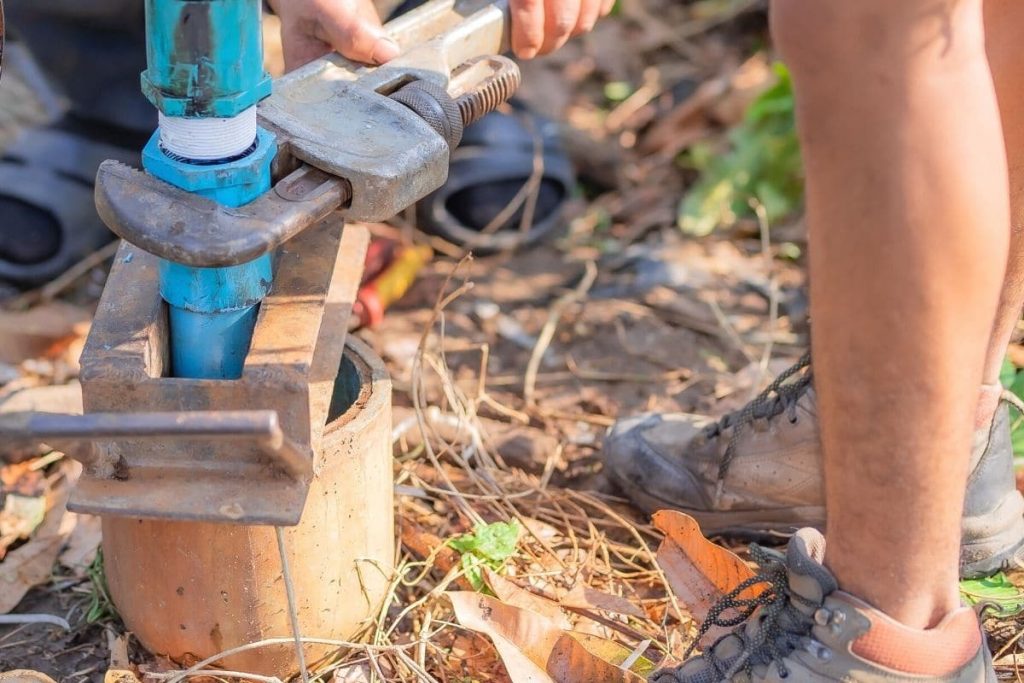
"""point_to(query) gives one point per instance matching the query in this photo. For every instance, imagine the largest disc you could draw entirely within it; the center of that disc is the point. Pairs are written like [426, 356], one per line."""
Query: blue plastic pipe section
[204, 57]
[205, 60]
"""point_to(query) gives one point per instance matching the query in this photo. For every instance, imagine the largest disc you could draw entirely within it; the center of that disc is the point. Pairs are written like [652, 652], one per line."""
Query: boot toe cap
[646, 455]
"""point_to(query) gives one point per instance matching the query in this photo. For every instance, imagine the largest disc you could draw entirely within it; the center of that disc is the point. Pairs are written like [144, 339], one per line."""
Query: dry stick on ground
[443, 300]
[177, 676]
[418, 602]
[547, 333]
[10, 619]
[527, 194]
[639, 378]
[639, 539]
[52, 289]
[773, 293]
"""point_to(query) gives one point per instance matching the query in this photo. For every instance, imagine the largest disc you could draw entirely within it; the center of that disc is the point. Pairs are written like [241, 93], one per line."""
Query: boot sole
[751, 524]
[984, 553]
[979, 558]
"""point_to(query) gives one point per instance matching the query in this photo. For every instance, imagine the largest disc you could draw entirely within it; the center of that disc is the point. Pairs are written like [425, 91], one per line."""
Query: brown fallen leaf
[44, 330]
[524, 639]
[19, 517]
[580, 657]
[83, 542]
[31, 564]
[62, 398]
[23, 478]
[25, 676]
[698, 571]
[511, 594]
[534, 649]
[353, 673]
[583, 596]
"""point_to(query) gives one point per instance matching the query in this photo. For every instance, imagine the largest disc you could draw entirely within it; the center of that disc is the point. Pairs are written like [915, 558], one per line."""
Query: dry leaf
[62, 398]
[19, 518]
[533, 648]
[511, 594]
[45, 330]
[31, 564]
[578, 657]
[522, 638]
[23, 478]
[353, 673]
[25, 676]
[698, 571]
[83, 542]
[583, 596]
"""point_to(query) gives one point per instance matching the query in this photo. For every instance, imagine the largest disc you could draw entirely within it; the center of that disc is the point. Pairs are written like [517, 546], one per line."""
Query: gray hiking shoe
[758, 470]
[801, 627]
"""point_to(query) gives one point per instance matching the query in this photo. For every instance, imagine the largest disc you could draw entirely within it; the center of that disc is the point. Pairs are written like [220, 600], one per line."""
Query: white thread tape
[206, 139]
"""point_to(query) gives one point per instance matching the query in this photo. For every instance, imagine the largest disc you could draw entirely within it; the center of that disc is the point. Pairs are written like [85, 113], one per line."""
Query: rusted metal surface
[395, 159]
[388, 154]
[189, 229]
[482, 85]
[189, 590]
[241, 428]
[299, 334]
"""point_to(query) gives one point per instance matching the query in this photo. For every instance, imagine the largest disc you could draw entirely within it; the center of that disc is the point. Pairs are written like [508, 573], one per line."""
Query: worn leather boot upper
[759, 469]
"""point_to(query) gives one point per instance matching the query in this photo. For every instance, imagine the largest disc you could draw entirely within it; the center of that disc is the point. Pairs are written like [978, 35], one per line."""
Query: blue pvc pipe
[205, 59]
[213, 310]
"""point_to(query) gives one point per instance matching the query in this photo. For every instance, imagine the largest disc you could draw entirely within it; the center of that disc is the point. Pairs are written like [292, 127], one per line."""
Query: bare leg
[907, 206]
[1004, 20]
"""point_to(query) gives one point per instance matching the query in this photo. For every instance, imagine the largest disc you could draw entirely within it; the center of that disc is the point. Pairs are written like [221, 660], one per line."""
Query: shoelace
[781, 396]
[781, 626]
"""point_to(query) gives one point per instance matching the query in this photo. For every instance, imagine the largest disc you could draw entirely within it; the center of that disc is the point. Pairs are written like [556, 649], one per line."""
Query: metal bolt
[489, 92]
[479, 87]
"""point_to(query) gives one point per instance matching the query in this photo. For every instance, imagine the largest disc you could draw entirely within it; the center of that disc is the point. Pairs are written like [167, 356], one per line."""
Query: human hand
[312, 28]
[541, 26]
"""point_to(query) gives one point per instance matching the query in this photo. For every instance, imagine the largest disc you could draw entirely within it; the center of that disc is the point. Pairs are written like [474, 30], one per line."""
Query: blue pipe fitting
[233, 182]
[213, 310]
[205, 57]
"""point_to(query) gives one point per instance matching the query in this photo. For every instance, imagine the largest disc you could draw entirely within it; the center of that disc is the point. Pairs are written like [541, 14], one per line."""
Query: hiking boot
[758, 470]
[801, 627]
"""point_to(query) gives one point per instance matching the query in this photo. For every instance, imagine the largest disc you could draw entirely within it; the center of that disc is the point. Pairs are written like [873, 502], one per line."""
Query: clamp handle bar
[260, 428]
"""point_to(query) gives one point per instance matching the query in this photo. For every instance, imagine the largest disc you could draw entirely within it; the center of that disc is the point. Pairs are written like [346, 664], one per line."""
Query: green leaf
[1007, 373]
[473, 568]
[1017, 436]
[617, 91]
[761, 163]
[1017, 386]
[489, 545]
[497, 542]
[996, 590]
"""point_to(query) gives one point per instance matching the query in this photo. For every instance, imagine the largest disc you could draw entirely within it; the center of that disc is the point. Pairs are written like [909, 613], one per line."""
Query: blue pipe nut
[213, 310]
[204, 57]
[233, 182]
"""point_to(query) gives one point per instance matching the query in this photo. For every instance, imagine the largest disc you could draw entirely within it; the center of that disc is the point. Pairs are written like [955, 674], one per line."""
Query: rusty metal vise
[367, 142]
